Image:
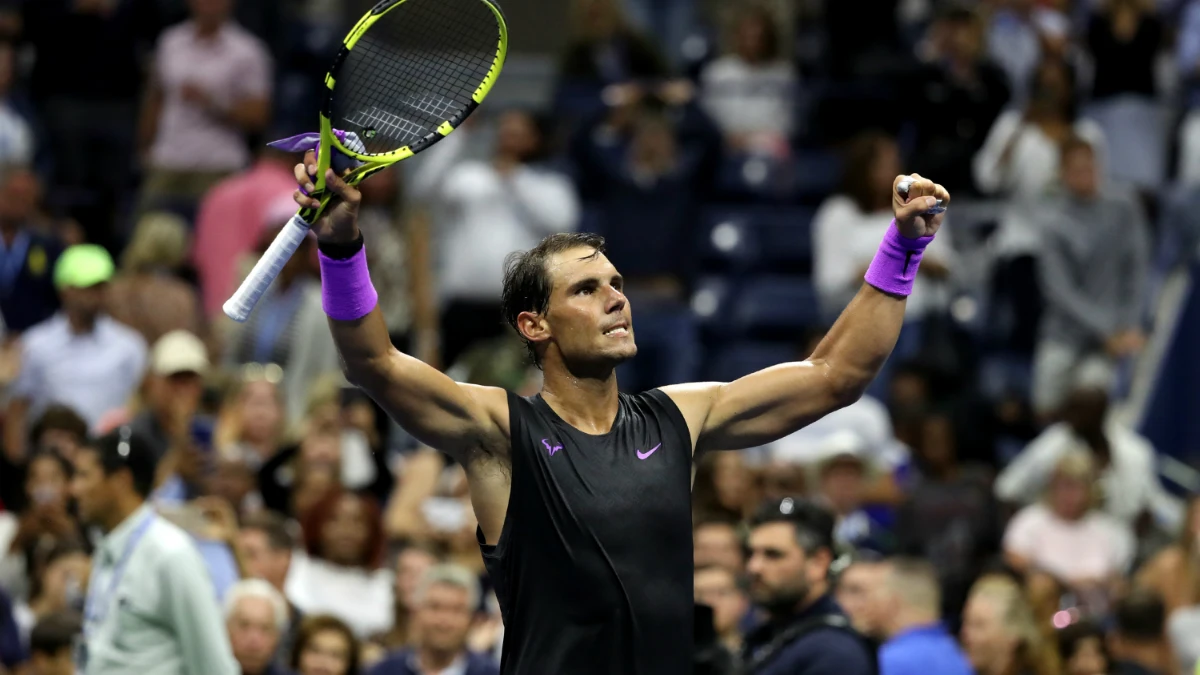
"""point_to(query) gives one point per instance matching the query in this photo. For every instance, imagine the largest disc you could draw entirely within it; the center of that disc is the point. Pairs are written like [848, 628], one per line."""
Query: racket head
[410, 72]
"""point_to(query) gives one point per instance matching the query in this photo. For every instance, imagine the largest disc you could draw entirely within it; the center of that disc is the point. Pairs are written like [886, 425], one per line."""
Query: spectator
[430, 503]
[482, 210]
[58, 431]
[603, 50]
[1081, 649]
[1174, 573]
[27, 292]
[53, 644]
[917, 642]
[750, 92]
[444, 604]
[148, 294]
[17, 139]
[80, 357]
[790, 545]
[999, 633]
[324, 646]
[717, 543]
[230, 220]
[89, 106]
[1138, 644]
[840, 480]
[719, 588]
[859, 588]
[847, 229]
[288, 329]
[173, 388]
[1128, 477]
[251, 419]
[950, 517]
[265, 545]
[723, 487]
[211, 85]
[1085, 550]
[45, 522]
[1021, 159]
[256, 615]
[1022, 34]
[1125, 38]
[1092, 318]
[59, 578]
[340, 570]
[960, 92]
[181, 623]
[412, 562]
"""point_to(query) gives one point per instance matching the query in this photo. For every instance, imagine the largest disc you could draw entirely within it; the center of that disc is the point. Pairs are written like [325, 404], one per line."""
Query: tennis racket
[407, 75]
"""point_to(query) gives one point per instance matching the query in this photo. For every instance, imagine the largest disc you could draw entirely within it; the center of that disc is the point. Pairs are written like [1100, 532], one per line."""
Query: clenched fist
[910, 209]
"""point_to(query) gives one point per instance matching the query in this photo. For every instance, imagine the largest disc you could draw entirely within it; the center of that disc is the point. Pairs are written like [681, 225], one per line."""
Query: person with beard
[807, 633]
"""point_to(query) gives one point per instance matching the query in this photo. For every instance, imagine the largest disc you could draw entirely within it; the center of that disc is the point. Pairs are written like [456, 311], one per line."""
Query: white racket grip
[266, 270]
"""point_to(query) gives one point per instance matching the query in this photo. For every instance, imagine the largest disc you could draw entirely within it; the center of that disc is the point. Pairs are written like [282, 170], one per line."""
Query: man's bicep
[439, 412]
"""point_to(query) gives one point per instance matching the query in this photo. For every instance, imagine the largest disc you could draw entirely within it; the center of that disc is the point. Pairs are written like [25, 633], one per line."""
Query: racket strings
[418, 66]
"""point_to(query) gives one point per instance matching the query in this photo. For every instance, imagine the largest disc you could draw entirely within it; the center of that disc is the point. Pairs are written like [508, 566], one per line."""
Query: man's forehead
[774, 535]
[578, 262]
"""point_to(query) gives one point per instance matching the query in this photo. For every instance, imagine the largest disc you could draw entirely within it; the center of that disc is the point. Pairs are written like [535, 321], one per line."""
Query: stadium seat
[775, 307]
[742, 358]
[753, 178]
[729, 240]
[817, 175]
[711, 300]
[761, 238]
[785, 238]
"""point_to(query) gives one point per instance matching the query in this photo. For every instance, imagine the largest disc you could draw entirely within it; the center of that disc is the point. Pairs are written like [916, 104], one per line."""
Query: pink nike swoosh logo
[644, 455]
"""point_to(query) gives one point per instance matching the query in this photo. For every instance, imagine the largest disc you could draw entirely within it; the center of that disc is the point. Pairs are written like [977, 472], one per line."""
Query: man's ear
[533, 327]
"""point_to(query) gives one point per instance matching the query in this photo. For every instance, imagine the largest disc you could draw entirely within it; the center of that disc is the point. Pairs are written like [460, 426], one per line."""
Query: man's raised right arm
[457, 419]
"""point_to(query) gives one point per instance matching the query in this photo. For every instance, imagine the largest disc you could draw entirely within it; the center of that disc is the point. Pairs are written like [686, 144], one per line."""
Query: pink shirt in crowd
[1096, 546]
[231, 221]
[230, 66]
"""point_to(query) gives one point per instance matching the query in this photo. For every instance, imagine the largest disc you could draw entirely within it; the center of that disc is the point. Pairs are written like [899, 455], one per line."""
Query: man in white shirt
[151, 608]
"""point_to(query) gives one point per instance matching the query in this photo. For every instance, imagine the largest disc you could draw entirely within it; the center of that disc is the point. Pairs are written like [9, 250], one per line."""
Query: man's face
[253, 634]
[262, 561]
[411, 565]
[20, 192]
[588, 320]
[177, 389]
[858, 593]
[443, 617]
[717, 588]
[94, 491]
[781, 574]
[718, 544]
[84, 303]
[842, 485]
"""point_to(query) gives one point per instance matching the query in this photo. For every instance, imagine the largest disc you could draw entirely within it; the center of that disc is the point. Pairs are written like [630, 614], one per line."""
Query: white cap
[179, 351]
[842, 444]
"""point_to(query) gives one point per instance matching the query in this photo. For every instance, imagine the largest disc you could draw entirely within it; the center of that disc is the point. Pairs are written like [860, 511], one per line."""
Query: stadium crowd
[983, 508]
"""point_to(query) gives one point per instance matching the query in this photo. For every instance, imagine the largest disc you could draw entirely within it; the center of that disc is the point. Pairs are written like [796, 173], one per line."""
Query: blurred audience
[27, 292]
[324, 646]
[148, 293]
[910, 605]
[1082, 649]
[1000, 634]
[52, 644]
[256, 615]
[721, 589]
[1174, 573]
[1138, 644]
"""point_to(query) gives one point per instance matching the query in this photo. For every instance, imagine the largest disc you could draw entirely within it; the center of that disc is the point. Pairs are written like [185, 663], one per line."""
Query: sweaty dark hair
[123, 449]
[527, 283]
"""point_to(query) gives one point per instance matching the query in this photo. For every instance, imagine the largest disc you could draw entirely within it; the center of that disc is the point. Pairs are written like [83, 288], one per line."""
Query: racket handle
[266, 270]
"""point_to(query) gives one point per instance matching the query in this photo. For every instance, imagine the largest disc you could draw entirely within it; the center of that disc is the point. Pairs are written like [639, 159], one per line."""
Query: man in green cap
[80, 357]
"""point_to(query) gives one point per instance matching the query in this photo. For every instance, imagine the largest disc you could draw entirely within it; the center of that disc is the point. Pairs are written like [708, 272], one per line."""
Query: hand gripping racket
[407, 75]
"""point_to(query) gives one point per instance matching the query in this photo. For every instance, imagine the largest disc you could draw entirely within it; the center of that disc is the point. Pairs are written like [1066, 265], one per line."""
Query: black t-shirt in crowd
[593, 569]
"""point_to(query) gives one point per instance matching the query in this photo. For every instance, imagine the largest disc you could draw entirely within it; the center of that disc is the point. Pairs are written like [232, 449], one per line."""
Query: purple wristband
[346, 290]
[895, 265]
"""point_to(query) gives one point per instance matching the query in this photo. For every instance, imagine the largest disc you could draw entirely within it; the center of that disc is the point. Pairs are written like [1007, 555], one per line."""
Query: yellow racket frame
[375, 163]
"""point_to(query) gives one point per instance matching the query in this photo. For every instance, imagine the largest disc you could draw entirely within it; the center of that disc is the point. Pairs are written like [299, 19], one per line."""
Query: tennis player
[583, 494]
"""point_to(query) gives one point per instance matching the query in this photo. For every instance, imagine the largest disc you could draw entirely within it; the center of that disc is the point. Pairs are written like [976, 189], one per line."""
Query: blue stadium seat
[817, 175]
[729, 239]
[742, 358]
[776, 307]
[785, 238]
[760, 237]
[751, 178]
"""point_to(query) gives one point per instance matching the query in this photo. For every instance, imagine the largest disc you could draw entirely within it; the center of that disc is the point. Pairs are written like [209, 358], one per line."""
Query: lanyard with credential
[93, 612]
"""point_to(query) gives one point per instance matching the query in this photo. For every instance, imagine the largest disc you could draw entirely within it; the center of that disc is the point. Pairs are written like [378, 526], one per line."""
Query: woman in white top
[750, 91]
[1020, 158]
[341, 571]
[1068, 539]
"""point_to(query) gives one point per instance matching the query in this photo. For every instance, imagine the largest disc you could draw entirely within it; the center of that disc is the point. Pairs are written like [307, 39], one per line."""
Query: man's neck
[81, 325]
[588, 404]
[434, 661]
[815, 593]
[125, 508]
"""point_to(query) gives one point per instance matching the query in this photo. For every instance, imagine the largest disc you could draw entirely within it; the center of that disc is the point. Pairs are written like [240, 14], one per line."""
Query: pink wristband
[895, 264]
[346, 290]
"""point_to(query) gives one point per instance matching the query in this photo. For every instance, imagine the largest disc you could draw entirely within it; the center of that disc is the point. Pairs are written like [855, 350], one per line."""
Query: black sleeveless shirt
[594, 565]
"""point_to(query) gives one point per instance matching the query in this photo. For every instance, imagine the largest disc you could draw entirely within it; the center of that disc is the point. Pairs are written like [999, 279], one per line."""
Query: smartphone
[202, 432]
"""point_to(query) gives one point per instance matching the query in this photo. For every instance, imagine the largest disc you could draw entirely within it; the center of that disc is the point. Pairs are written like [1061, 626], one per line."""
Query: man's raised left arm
[767, 405]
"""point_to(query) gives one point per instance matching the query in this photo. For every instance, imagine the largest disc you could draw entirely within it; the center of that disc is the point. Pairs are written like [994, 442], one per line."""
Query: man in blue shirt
[917, 643]
[791, 549]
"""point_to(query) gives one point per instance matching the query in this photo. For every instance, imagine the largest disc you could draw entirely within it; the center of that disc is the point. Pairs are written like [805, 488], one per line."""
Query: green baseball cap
[83, 265]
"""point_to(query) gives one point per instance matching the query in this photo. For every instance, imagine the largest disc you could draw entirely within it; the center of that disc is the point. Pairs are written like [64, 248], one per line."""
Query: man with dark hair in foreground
[583, 494]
